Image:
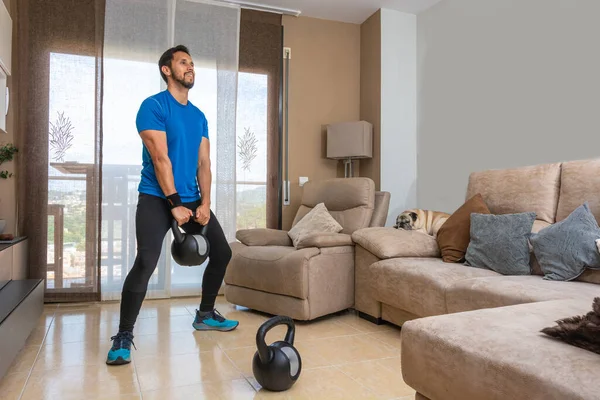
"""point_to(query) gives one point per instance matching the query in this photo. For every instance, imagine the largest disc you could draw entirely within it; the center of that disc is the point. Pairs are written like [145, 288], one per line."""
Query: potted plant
[7, 153]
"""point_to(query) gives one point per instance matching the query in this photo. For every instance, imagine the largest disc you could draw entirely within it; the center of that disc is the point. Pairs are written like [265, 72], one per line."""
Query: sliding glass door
[82, 117]
[252, 138]
[72, 174]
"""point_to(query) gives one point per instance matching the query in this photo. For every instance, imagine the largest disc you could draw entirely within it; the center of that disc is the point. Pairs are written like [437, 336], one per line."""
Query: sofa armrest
[263, 237]
[390, 243]
[325, 240]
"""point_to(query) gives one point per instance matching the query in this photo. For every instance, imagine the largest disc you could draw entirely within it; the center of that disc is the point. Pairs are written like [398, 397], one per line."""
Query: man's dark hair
[167, 57]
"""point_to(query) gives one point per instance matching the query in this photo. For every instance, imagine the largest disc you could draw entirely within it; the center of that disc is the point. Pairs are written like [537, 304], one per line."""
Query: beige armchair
[316, 277]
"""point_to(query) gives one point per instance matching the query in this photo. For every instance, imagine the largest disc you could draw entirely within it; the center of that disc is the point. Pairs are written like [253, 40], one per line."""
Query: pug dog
[426, 221]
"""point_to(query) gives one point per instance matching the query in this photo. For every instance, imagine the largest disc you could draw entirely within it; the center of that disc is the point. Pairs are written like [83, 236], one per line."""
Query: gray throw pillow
[566, 248]
[499, 242]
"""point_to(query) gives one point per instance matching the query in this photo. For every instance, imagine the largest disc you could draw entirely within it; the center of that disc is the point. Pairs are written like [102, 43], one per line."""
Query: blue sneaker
[213, 321]
[120, 352]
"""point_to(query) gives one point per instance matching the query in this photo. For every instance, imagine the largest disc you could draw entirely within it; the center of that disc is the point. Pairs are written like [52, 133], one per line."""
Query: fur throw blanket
[581, 331]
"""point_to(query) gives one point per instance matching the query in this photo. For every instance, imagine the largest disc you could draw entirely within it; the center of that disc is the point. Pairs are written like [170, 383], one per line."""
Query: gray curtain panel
[60, 55]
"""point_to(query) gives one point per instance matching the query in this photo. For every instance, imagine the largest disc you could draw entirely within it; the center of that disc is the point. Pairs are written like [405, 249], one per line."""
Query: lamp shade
[350, 140]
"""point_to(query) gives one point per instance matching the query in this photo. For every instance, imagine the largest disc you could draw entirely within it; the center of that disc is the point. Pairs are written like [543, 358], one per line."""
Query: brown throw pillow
[582, 330]
[454, 236]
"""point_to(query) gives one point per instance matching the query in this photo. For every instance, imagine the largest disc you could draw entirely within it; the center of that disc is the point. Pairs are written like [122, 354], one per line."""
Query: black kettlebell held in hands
[277, 366]
[189, 250]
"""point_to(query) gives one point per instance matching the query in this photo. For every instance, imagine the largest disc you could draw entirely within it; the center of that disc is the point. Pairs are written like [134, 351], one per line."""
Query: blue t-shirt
[185, 126]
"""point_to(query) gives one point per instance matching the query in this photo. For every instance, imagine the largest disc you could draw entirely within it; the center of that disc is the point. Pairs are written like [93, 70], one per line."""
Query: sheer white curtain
[137, 32]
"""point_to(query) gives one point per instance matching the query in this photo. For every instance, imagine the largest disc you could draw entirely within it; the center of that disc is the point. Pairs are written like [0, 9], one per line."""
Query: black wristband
[174, 200]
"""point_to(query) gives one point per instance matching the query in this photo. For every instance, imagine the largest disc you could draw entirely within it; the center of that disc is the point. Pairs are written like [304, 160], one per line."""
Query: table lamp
[349, 141]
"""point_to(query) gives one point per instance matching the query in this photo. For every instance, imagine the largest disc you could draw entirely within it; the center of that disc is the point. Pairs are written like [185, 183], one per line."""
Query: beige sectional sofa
[471, 333]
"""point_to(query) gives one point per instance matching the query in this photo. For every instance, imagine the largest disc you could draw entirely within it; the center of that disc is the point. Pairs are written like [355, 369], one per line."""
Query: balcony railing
[71, 264]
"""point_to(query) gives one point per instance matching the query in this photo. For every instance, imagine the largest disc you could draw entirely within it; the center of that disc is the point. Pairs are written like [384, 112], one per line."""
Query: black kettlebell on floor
[189, 250]
[277, 366]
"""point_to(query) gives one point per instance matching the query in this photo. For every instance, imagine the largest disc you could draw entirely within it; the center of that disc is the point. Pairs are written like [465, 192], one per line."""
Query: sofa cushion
[263, 237]
[273, 269]
[324, 240]
[498, 354]
[418, 285]
[579, 182]
[500, 291]
[515, 190]
[499, 242]
[385, 242]
[566, 248]
[454, 236]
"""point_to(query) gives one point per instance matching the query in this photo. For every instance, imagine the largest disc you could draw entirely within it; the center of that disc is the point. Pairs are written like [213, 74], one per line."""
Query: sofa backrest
[553, 191]
[515, 190]
[579, 182]
[382, 207]
[349, 200]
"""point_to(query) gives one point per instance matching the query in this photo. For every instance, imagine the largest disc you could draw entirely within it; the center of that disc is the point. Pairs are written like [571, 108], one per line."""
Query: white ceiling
[354, 11]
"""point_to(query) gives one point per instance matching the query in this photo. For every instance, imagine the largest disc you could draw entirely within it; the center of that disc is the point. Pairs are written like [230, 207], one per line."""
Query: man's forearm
[164, 175]
[205, 182]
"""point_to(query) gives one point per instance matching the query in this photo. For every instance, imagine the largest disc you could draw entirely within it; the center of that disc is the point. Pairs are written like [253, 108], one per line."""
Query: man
[175, 184]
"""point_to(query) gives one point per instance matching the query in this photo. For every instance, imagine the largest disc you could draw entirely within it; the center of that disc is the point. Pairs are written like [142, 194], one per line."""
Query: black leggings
[153, 220]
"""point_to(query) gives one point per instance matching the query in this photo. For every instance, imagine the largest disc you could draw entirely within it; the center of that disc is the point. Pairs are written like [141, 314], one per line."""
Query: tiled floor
[343, 356]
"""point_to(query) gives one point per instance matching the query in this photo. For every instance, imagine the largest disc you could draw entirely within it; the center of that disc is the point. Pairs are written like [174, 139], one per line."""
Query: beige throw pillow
[318, 220]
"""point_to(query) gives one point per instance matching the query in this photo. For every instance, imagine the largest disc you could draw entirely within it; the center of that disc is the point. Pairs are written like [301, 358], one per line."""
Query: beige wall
[324, 88]
[370, 91]
[503, 83]
[8, 188]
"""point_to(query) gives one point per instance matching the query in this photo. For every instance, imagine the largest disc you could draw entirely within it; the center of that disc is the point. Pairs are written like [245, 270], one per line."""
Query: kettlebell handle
[176, 232]
[264, 351]
[179, 236]
[203, 230]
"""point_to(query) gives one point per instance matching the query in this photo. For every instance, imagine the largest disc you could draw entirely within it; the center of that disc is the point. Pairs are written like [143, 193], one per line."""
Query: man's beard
[184, 83]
